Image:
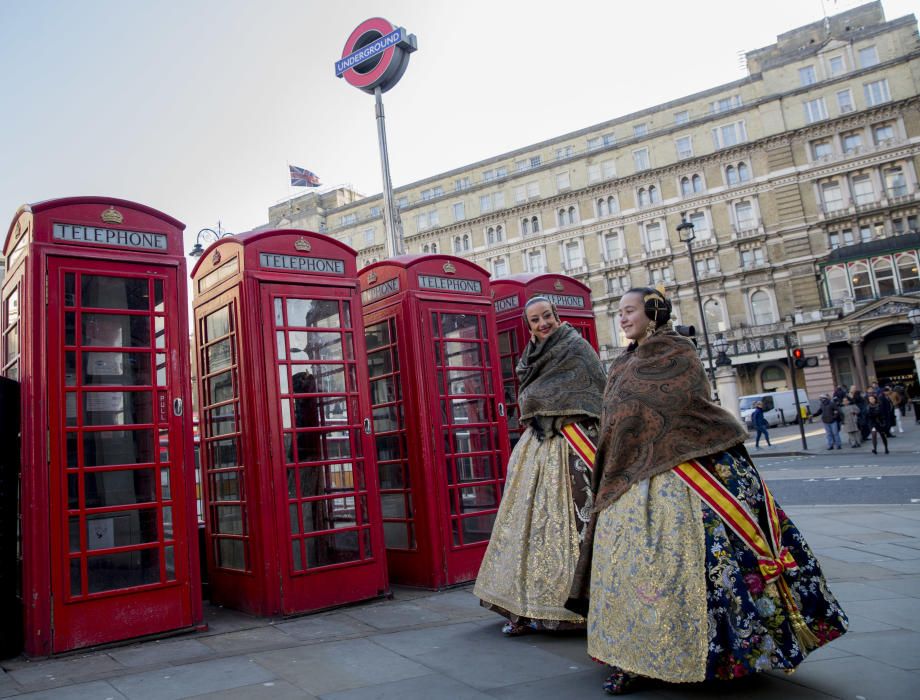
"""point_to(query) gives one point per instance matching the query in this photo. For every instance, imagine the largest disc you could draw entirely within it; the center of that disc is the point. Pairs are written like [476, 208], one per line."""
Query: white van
[778, 407]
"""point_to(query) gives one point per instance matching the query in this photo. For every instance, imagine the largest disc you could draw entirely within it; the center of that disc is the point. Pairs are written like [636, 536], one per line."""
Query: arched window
[712, 309]
[773, 378]
[743, 173]
[697, 183]
[458, 244]
[572, 215]
[761, 308]
[425, 248]
[561, 216]
[859, 278]
[612, 205]
[490, 235]
[499, 234]
[434, 247]
[466, 242]
[653, 194]
[534, 224]
[643, 197]
[838, 285]
[602, 209]
[907, 272]
[731, 175]
[685, 187]
[525, 226]
[883, 271]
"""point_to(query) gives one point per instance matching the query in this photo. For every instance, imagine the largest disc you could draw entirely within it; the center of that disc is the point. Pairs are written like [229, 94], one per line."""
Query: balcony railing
[747, 230]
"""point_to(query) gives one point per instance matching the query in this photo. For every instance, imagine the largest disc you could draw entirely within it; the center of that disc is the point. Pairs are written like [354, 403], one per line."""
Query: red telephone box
[289, 479]
[441, 438]
[95, 327]
[572, 300]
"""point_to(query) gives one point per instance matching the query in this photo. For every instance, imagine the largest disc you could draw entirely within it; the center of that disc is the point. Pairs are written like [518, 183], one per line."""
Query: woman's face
[873, 399]
[633, 320]
[541, 320]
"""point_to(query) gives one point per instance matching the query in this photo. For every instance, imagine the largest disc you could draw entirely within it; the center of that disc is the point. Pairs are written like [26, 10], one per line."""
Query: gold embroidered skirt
[647, 613]
[529, 565]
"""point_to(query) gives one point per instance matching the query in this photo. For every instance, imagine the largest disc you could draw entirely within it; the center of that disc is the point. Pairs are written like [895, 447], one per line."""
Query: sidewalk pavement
[422, 644]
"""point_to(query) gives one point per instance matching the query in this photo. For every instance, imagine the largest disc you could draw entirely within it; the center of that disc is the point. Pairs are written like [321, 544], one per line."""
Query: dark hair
[657, 306]
[536, 300]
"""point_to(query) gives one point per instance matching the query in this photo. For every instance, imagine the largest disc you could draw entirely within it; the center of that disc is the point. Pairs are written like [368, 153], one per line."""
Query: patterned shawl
[562, 376]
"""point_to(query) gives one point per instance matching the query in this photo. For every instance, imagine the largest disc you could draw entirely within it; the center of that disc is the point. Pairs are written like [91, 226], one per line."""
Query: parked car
[778, 407]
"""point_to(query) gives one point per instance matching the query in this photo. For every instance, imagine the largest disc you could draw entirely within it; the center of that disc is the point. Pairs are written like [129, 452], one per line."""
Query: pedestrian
[528, 566]
[685, 583]
[897, 408]
[760, 425]
[850, 413]
[884, 399]
[830, 419]
[878, 423]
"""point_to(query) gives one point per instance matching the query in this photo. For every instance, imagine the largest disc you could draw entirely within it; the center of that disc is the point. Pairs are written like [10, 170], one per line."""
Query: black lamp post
[685, 233]
[206, 237]
[721, 345]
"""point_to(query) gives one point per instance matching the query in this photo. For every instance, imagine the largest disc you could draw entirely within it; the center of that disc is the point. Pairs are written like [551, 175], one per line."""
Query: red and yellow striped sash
[580, 442]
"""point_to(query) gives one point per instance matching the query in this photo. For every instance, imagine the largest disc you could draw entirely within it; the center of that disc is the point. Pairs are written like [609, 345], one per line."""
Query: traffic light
[800, 361]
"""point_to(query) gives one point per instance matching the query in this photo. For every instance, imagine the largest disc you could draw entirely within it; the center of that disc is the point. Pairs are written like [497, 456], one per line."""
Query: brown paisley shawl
[559, 378]
[657, 414]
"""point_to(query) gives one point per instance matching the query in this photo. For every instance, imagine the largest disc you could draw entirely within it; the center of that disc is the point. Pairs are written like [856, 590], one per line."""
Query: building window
[618, 284]
[868, 57]
[573, 255]
[602, 171]
[530, 224]
[821, 149]
[375, 211]
[660, 275]
[562, 181]
[729, 135]
[815, 110]
[731, 175]
[860, 281]
[495, 234]
[863, 193]
[495, 174]
[837, 65]
[641, 159]
[499, 267]
[640, 129]
[466, 241]
[607, 206]
[654, 237]
[459, 211]
[838, 286]
[876, 93]
[707, 266]
[908, 274]
[565, 152]
[744, 173]
[865, 233]
[654, 195]
[852, 141]
[895, 183]
[489, 202]
[831, 196]
[725, 104]
[432, 192]
[613, 249]
[691, 184]
[744, 216]
[684, 147]
[845, 101]
[567, 216]
[427, 220]
[700, 225]
[681, 117]
[368, 237]
[883, 271]
[751, 257]
[596, 142]
[535, 261]
[762, 309]
[402, 202]
[349, 219]
[462, 184]
[882, 133]
[807, 76]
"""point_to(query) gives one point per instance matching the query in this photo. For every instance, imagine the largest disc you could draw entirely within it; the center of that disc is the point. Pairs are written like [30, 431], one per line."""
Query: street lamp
[914, 317]
[721, 345]
[206, 237]
[685, 233]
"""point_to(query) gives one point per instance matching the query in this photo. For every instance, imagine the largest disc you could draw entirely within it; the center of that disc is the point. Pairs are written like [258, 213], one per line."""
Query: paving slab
[854, 555]
[396, 615]
[98, 690]
[498, 661]
[898, 612]
[893, 550]
[907, 585]
[248, 640]
[584, 684]
[324, 628]
[334, 666]
[901, 649]
[762, 686]
[161, 652]
[835, 570]
[849, 591]
[459, 603]
[857, 676]
[861, 623]
[175, 682]
[48, 672]
[906, 566]
[269, 690]
[428, 686]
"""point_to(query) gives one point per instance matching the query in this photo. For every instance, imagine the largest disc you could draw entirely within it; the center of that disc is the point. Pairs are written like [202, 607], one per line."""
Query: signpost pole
[394, 234]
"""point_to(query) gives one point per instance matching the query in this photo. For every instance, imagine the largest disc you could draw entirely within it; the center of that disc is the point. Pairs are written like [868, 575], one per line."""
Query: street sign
[375, 55]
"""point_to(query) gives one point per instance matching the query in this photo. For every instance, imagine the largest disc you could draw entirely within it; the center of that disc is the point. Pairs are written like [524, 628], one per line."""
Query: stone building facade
[800, 180]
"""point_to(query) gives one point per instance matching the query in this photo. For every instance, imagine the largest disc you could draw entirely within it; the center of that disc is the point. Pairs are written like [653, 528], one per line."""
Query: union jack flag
[301, 177]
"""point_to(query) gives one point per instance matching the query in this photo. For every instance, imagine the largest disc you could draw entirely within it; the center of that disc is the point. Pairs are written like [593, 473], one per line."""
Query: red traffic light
[798, 353]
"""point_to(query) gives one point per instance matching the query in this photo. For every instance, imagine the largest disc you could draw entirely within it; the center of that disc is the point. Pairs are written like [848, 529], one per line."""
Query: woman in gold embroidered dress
[527, 570]
[696, 573]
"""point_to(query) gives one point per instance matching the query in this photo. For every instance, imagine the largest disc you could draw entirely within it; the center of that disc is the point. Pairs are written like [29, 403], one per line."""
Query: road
[835, 477]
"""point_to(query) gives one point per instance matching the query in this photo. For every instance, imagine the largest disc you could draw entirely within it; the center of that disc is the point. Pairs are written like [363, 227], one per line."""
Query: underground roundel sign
[375, 55]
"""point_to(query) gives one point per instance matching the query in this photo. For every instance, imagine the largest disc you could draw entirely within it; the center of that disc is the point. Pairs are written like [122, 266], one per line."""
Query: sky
[197, 107]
